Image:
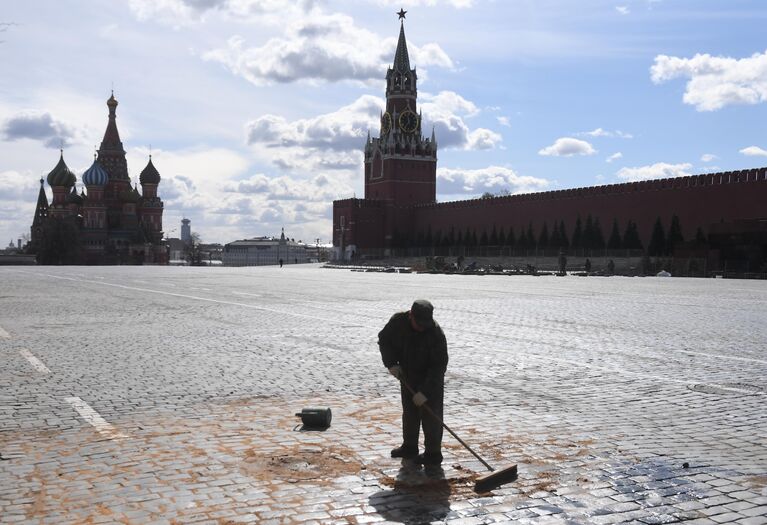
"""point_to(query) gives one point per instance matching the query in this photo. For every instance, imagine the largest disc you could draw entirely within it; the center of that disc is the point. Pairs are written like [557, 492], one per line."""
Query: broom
[485, 483]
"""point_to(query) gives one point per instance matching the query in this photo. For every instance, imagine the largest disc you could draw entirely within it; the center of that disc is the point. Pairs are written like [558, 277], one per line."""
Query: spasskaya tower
[401, 164]
[400, 170]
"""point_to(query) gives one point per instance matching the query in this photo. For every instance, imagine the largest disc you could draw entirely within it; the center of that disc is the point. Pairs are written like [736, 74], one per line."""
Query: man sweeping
[414, 349]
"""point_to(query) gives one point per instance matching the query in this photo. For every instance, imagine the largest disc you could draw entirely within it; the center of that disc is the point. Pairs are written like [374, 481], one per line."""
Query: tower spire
[401, 58]
[42, 202]
[111, 152]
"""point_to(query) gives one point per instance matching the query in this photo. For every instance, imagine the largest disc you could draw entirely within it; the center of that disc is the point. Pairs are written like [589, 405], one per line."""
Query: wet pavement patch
[299, 463]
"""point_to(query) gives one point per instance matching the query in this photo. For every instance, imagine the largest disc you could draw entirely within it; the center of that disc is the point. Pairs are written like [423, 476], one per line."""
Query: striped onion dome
[150, 175]
[95, 175]
[61, 175]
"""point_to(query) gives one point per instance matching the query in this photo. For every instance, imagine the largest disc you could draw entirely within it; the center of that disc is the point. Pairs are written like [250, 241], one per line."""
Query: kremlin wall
[725, 213]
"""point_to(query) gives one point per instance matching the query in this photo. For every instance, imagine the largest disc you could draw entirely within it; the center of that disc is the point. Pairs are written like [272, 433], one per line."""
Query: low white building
[261, 251]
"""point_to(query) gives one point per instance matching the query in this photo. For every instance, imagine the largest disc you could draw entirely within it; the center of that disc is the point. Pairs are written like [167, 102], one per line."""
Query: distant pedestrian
[414, 349]
[587, 265]
[562, 263]
[296, 260]
[611, 267]
[280, 263]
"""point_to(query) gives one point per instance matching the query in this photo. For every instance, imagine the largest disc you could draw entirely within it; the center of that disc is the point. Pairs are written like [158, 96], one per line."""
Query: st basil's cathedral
[110, 221]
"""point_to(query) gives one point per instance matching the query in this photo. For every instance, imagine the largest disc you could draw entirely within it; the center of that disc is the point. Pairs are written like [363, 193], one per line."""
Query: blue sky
[257, 110]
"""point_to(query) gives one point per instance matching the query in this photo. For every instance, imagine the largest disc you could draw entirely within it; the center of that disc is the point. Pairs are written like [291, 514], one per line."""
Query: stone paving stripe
[248, 294]
[34, 361]
[615, 371]
[720, 356]
[217, 301]
[4, 334]
[93, 418]
[734, 389]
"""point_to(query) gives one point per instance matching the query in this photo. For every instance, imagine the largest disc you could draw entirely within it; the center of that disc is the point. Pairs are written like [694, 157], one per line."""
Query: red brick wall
[698, 200]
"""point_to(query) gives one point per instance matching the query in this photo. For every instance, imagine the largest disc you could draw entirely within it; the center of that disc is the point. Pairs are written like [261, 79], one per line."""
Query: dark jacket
[422, 355]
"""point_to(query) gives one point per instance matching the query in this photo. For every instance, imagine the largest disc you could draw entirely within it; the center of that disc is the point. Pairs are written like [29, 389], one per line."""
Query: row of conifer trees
[586, 235]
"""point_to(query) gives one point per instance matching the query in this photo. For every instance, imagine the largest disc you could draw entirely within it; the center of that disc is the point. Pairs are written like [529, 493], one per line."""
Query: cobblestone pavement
[156, 395]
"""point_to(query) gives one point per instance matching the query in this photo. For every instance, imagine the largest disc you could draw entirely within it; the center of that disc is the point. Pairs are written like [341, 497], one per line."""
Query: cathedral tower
[151, 205]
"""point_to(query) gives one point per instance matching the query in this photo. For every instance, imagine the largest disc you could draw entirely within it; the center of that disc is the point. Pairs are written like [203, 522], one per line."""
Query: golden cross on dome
[401, 13]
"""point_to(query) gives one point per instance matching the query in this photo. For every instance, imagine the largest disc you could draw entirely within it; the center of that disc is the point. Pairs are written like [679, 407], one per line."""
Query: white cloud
[447, 102]
[754, 151]
[342, 130]
[325, 48]
[446, 111]
[659, 170]
[568, 147]
[614, 156]
[18, 198]
[41, 126]
[413, 3]
[622, 9]
[482, 138]
[708, 157]
[335, 141]
[504, 121]
[493, 179]
[15, 186]
[319, 189]
[209, 186]
[716, 82]
[184, 12]
[599, 132]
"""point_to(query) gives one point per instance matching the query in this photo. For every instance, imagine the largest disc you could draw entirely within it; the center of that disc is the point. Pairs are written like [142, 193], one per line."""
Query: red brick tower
[151, 206]
[111, 157]
[400, 171]
[401, 164]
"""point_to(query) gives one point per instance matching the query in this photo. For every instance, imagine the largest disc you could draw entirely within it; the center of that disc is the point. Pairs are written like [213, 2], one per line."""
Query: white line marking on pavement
[207, 299]
[733, 389]
[719, 356]
[616, 371]
[93, 418]
[35, 362]
[4, 334]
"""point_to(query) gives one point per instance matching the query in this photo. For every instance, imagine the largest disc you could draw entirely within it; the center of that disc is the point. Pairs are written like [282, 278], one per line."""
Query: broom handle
[435, 416]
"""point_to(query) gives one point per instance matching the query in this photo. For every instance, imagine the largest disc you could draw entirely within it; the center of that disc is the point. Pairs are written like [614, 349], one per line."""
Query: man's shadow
[418, 495]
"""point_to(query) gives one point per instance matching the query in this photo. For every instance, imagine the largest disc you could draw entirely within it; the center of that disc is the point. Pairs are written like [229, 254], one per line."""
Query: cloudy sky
[256, 111]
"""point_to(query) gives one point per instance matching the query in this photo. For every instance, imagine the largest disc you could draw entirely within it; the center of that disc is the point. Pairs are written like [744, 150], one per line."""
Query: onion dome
[95, 175]
[149, 175]
[74, 198]
[61, 175]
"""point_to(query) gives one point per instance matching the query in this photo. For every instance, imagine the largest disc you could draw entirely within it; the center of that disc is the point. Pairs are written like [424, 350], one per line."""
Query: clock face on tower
[385, 123]
[408, 121]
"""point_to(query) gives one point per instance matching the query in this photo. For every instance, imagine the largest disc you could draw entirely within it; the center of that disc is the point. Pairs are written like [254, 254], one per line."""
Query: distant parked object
[663, 273]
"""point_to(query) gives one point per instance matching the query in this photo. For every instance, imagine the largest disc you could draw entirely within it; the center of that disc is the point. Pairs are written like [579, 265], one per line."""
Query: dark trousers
[413, 418]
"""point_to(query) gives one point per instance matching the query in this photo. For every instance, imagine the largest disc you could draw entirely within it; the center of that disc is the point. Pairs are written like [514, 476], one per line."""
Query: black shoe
[404, 452]
[429, 459]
